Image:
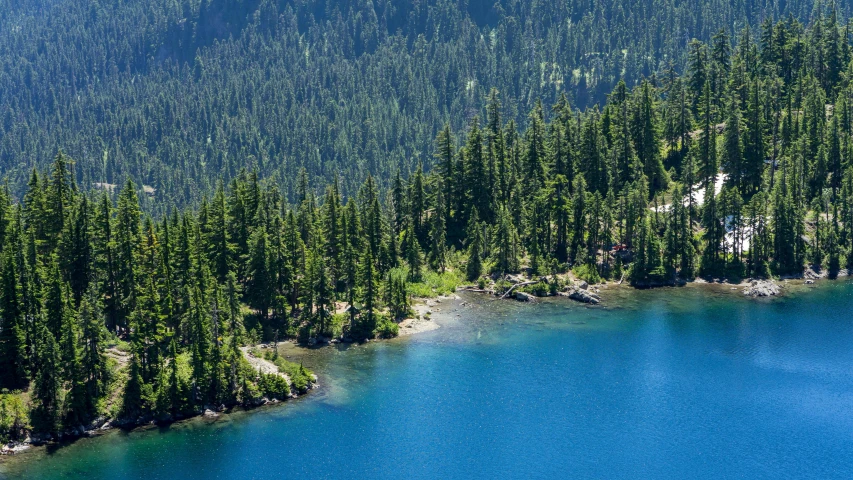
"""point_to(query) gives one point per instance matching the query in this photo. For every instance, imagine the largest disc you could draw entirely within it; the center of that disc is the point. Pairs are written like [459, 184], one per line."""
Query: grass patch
[587, 273]
[434, 284]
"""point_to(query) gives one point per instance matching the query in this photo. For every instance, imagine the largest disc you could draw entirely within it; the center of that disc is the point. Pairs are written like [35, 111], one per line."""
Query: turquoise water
[676, 383]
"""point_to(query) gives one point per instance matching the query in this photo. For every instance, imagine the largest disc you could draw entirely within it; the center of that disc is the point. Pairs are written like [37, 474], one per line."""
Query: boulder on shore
[762, 288]
[581, 295]
[524, 297]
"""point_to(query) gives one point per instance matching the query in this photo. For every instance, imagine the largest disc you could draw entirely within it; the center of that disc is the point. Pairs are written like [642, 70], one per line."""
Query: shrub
[587, 273]
[539, 289]
[13, 417]
[274, 386]
[300, 377]
[386, 328]
[501, 286]
[433, 284]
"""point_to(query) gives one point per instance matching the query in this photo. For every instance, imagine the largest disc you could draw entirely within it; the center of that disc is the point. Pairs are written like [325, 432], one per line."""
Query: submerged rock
[762, 288]
[13, 448]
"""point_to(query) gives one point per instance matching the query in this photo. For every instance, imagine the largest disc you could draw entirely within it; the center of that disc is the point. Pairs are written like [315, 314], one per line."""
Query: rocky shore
[422, 321]
[762, 288]
[529, 289]
[104, 423]
[508, 287]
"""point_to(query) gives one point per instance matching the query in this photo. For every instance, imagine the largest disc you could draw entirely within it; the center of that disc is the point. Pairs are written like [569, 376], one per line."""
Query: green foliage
[386, 328]
[539, 289]
[587, 273]
[217, 80]
[273, 386]
[13, 417]
[520, 182]
[300, 377]
[434, 284]
[397, 295]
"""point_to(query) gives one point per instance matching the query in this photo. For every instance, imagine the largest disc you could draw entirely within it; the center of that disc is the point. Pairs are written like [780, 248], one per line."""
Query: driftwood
[519, 284]
[478, 290]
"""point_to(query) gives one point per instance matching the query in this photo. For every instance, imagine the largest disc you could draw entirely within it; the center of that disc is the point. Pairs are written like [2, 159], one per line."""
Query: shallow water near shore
[686, 382]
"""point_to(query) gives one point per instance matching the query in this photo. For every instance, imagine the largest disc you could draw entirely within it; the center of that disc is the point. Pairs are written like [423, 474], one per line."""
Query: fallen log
[478, 290]
[519, 284]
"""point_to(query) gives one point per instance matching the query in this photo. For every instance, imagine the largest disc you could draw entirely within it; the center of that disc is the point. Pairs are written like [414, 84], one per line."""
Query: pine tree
[13, 347]
[438, 236]
[220, 248]
[201, 336]
[45, 416]
[76, 404]
[505, 249]
[753, 143]
[412, 251]
[714, 231]
[58, 199]
[474, 267]
[733, 158]
[93, 357]
[321, 285]
[260, 281]
[647, 141]
[536, 152]
[367, 318]
[417, 206]
[127, 238]
[697, 72]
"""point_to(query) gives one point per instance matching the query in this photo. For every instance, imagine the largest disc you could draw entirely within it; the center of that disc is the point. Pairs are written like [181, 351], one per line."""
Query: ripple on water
[672, 383]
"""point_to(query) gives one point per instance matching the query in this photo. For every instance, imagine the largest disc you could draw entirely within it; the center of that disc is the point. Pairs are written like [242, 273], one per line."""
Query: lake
[686, 382]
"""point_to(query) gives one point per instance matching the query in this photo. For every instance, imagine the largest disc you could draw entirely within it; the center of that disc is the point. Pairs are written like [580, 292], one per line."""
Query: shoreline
[103, 425]
[424, 309]
[424, 320]
[580, 291]
[421, 322]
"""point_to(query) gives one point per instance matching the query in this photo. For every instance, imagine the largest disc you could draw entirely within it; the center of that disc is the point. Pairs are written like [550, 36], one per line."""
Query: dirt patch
[411, 326]
[262, 365]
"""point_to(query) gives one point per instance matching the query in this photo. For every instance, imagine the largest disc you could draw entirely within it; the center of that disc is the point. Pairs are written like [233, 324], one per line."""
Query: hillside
[176, 94]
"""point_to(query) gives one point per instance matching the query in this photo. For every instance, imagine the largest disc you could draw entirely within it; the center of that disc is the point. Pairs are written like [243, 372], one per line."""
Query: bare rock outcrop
[762, 288]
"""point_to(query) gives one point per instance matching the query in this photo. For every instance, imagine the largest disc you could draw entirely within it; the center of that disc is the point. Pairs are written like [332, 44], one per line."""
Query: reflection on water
[672, 383]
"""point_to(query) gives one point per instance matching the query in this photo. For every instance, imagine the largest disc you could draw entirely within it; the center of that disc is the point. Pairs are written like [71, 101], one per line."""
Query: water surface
[674, 383]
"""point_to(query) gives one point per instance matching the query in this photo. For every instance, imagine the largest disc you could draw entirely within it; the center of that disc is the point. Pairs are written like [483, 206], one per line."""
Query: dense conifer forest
[738, 163]
[176, 94]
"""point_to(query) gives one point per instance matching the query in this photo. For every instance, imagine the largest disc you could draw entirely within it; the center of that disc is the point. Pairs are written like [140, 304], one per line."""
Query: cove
[670, 383]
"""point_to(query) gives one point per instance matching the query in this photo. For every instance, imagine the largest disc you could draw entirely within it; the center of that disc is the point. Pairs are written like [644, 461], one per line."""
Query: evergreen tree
[438, 233]
[13, 346]
[45, 416]
[474, 267]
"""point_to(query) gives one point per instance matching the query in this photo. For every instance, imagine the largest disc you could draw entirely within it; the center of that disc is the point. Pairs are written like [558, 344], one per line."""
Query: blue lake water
[674, 383]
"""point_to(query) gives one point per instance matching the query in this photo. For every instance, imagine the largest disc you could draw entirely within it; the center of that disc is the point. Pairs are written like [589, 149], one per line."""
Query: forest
[177, 94]
[740, 167]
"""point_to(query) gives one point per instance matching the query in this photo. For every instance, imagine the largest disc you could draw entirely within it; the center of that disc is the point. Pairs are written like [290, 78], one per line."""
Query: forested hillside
[742, 167]
[177, 94]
